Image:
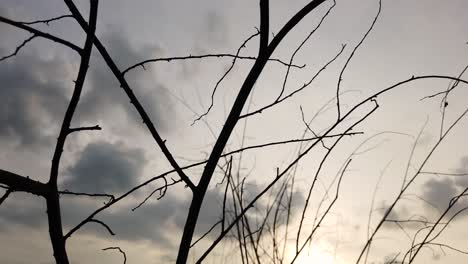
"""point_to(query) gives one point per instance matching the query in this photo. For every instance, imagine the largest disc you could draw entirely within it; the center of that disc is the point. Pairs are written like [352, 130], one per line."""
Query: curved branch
[104, 225]
[120, 250]
[340, 78]
[5, 195]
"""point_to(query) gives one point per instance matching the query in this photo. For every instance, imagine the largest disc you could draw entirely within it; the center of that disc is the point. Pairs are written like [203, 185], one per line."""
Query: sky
[410, 38]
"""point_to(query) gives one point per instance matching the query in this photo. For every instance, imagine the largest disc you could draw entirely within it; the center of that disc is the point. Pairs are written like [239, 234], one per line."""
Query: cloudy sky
[410, 38]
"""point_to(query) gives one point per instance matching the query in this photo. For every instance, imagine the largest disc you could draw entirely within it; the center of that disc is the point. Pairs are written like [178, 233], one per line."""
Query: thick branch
[20, 183]
[264, 24]
[52, 199]
[273, 182]
[228, 127]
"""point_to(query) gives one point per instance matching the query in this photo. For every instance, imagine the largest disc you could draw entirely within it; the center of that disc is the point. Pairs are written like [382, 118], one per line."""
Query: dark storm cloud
[32, 98]
[105, 168]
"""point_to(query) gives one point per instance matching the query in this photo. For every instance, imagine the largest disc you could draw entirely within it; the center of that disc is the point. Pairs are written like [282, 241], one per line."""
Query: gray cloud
[32, 98]
[105, 96]
[211, 212]
[36, 90]
[159, 222]
[23, 209]
[436, 195]
[439, 192]
[151, 222]
[105, 167]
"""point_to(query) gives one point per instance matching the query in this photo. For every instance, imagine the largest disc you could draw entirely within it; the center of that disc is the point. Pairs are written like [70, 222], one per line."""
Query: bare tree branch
[5, 195]
[340, 78]
[133, 99]
[39, 33]
[264, 25]
[104, 225]
[20, 183]
[18, 48]
[120, 250]
[67, 192]
[46, 21]
[204, 56]
[223, 77]
[52, 198]
[228, 127]
[76, 129]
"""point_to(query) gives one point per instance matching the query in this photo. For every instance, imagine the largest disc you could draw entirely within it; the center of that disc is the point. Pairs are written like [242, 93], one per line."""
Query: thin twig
[300, 47]
[291, 94]
[206, 233]
[76, 129]
[340, 78]
[120, 250]
[46, 21]
[19, 47]
[5, 195]
[224, 76]
[206, 56]
[67, 192]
